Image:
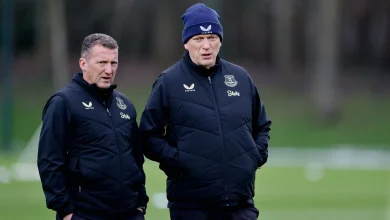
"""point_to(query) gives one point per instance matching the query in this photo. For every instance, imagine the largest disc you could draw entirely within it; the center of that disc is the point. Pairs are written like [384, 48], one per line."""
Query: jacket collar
[102, 95]
[200, 69]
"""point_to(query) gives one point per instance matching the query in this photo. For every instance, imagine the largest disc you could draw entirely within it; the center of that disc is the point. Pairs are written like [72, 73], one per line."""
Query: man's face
[203, 49]
[100, 66]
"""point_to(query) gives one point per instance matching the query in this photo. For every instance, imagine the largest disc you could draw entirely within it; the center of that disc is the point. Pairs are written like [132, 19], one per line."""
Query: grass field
[281, 193]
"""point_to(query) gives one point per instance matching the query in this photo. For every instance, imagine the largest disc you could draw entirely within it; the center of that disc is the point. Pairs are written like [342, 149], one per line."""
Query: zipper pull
[108, 112]
[209, 80]
[79, 188]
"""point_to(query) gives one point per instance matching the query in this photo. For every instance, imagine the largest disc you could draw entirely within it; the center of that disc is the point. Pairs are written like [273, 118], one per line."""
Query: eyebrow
[106, 61]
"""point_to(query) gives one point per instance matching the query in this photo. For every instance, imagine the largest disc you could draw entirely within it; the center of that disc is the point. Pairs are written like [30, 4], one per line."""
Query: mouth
[206, 55]
[106, 78]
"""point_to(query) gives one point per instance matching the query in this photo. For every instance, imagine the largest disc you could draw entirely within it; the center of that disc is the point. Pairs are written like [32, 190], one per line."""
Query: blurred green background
[322, 68]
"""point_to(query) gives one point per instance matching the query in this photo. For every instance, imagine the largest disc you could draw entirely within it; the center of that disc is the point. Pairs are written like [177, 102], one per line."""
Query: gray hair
[97, 39]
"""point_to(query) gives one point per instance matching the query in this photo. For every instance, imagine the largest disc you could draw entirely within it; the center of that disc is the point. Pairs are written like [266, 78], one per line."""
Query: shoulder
[228, 66]
[57, 103]
[61, 96]
[120, 95]
[57, 100]
[172, 69]
[71, 91]
[66, 96]
[172, 72]
[237, 72]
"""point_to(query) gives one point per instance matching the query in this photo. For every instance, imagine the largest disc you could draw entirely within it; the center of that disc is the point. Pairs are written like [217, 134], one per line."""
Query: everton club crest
[120, 103]
[230, 81]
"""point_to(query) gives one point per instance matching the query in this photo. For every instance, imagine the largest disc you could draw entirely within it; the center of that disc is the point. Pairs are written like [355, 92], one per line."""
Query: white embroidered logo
[190, 88]
[124, 116]
[87, 106]
[206, 30]
[233, 93]
[230, 81]
[120, 103]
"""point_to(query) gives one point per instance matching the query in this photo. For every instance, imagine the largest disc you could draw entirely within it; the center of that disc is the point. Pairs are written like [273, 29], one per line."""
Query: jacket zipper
[220, 131]
[116, 140]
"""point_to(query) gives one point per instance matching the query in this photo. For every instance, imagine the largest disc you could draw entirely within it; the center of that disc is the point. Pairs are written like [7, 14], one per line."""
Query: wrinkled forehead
[101, 52]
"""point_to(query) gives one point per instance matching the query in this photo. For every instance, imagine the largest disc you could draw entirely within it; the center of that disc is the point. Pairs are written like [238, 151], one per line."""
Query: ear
[186, 46]
[83, 64]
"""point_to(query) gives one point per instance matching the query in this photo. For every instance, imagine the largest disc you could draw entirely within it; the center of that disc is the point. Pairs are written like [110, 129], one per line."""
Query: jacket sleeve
[142, 199]
[52, 153]
[154, 119]
[261, 125]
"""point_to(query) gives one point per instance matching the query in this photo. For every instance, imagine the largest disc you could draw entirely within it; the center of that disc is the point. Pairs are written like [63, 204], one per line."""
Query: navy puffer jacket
[208, 130]
[89, 158]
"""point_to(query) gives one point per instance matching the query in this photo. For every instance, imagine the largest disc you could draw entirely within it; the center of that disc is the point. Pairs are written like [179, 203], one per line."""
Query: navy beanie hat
[200, 19]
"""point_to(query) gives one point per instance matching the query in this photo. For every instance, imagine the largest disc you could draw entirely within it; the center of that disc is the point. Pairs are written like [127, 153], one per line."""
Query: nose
[206, 44]
[109, 69]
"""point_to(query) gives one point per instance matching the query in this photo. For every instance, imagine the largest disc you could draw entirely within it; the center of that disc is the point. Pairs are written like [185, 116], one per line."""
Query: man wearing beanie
[206, 126]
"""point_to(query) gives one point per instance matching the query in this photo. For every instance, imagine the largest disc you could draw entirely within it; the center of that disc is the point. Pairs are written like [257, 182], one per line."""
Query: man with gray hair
[205, 124]
[89, 158]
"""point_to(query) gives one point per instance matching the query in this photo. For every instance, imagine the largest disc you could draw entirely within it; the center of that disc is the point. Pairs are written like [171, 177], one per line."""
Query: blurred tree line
[276, 33]
[309, 40]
